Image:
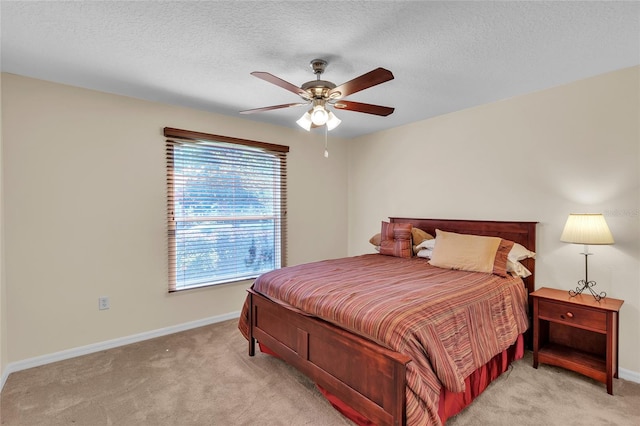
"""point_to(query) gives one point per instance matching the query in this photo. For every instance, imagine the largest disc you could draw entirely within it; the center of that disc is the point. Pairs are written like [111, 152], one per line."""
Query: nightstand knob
[569, 314]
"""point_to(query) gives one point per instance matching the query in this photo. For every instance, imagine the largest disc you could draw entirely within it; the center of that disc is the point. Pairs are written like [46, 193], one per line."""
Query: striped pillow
[395, 239]
[500, 262]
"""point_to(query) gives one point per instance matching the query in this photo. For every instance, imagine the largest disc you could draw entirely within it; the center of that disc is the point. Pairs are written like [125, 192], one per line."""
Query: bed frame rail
[365, 376]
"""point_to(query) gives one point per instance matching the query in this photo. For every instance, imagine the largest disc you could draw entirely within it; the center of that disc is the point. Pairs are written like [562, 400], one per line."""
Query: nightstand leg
[611, 336]
[536, 333]
[617, 355]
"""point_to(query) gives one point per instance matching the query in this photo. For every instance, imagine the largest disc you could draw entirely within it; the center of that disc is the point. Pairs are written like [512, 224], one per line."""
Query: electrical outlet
[103, 303]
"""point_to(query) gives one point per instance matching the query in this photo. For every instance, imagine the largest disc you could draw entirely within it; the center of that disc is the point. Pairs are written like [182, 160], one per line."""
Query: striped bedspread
[449, 322]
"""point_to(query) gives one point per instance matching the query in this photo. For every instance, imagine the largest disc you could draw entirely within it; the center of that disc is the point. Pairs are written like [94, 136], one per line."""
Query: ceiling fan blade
[269, 108]
[370, 79]
[279, 82]
[366, 108]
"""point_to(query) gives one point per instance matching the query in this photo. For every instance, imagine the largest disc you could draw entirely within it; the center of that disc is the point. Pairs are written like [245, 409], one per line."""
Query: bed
[375, 379]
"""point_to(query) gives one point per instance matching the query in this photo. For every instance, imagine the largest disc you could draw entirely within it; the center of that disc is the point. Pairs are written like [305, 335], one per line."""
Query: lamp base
[587, 285]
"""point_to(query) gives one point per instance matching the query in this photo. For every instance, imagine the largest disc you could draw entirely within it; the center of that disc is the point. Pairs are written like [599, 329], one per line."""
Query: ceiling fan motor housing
[318, 89]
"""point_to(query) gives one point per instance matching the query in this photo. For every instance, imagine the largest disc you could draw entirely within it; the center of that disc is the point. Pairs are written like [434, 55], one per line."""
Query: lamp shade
[333, 121]
[305, 121]
[586, 229]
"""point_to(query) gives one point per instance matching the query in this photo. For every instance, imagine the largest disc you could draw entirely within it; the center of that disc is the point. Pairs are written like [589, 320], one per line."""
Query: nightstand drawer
[572, 315]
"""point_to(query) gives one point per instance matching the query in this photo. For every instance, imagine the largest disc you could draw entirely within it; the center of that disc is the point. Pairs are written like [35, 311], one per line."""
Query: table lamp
[586, 229]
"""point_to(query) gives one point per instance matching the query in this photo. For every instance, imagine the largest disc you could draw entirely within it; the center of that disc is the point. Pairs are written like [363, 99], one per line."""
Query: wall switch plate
[103, 303]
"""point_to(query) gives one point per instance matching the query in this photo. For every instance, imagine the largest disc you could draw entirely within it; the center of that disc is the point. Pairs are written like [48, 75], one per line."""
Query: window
[226, 208]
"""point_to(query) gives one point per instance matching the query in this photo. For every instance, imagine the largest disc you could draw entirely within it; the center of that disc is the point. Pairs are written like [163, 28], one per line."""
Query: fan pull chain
[326, 143]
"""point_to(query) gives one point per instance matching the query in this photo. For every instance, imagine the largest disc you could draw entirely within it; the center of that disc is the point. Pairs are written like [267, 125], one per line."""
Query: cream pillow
[464, 251]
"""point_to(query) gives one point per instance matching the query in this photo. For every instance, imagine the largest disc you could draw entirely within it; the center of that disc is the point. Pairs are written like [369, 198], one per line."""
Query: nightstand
[577, 333]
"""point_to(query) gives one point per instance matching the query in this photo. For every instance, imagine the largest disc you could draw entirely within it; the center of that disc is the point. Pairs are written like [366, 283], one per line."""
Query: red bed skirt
[450, 403]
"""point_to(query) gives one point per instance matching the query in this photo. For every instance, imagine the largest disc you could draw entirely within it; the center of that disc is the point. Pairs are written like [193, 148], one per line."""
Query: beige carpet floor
[205, 377]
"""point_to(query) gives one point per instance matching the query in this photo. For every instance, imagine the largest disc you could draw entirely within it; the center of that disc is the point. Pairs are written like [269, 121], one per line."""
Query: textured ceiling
[446, 56]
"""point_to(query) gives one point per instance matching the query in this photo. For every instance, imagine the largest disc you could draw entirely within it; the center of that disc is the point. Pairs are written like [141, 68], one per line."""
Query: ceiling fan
[322, 93]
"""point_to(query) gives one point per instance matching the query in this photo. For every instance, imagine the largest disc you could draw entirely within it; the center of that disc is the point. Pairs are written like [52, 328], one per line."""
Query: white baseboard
[629, 375]
[12, 367]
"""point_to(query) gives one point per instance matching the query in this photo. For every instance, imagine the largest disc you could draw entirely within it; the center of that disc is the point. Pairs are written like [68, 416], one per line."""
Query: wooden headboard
[520, 232]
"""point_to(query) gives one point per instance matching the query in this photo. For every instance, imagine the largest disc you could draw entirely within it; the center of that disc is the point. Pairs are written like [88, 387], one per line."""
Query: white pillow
[518, 269]
[427, 244]
[519, 252]
[425, 253]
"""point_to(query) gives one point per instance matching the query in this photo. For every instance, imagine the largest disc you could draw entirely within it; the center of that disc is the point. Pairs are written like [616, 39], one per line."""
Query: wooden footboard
[364, 375]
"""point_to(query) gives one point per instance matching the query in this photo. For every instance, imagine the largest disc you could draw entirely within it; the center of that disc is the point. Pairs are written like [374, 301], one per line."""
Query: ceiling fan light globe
[319, 115]
[305, 121]
[333, 121]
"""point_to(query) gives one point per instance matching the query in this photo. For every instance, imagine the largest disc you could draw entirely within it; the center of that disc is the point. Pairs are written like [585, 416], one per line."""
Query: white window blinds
[226, 208]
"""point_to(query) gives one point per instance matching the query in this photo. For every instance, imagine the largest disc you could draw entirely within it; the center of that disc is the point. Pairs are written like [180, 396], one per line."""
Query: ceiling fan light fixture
[319, 115]
[333, 121]
[305, 121]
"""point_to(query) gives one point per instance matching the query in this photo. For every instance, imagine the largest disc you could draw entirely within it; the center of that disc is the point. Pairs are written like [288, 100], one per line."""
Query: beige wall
[538, 157]
[84, 176]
